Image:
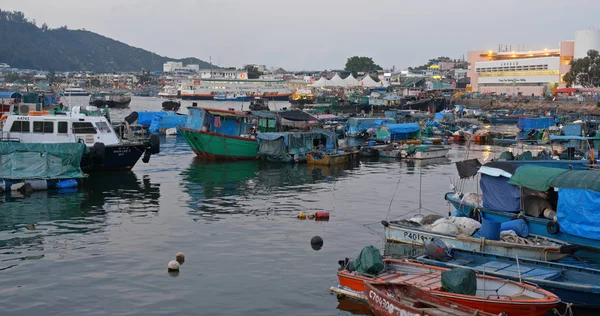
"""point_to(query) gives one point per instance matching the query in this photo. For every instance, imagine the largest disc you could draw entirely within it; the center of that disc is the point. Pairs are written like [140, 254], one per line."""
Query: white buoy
[173, 265]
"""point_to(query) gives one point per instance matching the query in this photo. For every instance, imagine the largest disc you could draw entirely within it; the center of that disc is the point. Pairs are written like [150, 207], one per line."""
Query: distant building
[223, 73]
[175, 66]
[4, 65]
[261, 68]
[531, 72]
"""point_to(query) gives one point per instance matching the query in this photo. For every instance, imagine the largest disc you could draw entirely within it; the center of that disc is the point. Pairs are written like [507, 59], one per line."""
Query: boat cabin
[60, 128]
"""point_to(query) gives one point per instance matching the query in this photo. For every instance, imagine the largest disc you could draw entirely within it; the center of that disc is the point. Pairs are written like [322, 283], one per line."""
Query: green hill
[24, 45]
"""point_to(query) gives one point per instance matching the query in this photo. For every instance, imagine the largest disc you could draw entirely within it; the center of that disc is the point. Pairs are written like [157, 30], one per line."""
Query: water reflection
[353, 307]
[121, 191]
[254, 187]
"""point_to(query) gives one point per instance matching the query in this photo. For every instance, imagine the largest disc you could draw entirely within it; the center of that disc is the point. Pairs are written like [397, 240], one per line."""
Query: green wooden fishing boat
[215, 134]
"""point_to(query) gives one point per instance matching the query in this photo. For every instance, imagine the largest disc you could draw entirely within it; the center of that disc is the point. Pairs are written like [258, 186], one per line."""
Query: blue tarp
[11, 95]
[404, 128]
[527, 124]
[577, 212]
[272, 136]
[162, 122]
[499, 195]
[358, 125]
[145, 118]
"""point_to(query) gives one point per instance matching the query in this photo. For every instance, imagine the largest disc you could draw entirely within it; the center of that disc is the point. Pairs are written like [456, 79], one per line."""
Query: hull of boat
[545, 274]
[276, 96]
[428, 154]
[213, 146]
[562, 164]
[76, 94]
[386, 299]
[415, 236]
[427, 278]
[239, 99]
[329, 160]
[395, 153]
[116, 157]
[537, 226]
[197, 97]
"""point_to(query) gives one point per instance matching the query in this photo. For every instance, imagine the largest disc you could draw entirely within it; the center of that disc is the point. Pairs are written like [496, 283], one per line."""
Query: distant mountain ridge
[24, 45]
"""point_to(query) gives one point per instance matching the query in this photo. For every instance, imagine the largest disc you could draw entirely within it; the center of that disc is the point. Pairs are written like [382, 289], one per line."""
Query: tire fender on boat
[98, 152]
[154, 141]
[552, 227]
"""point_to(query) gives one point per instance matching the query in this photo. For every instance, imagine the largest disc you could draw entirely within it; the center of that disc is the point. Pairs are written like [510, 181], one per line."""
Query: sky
[319, 34]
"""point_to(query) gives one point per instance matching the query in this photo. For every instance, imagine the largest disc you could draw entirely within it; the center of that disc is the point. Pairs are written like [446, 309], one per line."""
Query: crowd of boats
[526, 241]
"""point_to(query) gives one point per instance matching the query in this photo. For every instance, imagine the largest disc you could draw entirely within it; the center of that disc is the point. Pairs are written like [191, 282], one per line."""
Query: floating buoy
[316, 243]
[173, 266]
[322, 216]
[31, 227]
[301, 215]
[310, 216]
[180, 257]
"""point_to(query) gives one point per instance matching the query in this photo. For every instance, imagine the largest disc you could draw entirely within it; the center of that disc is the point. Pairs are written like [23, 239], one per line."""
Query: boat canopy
[277, 145]
[535, 177]
[527, 124]
[499, 194]
[356, 125]
[11, 95]
[26, 161]
[296, 115]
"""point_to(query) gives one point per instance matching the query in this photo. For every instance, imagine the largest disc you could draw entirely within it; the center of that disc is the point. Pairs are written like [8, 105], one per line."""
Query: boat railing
[7, 137]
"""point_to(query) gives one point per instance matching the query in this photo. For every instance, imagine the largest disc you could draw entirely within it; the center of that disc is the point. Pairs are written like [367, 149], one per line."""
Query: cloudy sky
[319, 34]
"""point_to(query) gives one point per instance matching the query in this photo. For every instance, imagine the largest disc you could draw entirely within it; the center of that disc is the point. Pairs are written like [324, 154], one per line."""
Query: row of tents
[349, 81]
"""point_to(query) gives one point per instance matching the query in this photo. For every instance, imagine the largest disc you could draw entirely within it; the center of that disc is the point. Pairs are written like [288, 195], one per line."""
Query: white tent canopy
[351, 81]
[369, 82]
[322, 82]
[337, 81]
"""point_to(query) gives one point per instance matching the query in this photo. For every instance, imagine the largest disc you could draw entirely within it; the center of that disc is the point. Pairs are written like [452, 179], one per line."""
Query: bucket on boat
[68, 183]
[372, 143]
[519, 226]
[490, 229]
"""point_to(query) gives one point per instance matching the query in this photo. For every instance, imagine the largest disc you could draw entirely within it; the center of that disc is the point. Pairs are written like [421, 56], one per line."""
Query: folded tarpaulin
[578, 179]
[403, 128]
[41, 161]
[468, 168]
[535, 178]
[296, 115]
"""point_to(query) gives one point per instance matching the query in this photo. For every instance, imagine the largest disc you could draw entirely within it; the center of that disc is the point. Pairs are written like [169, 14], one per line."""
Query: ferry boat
[222, 96]
[75, 91]
[206, 89]
[169, 92]
[109, 149]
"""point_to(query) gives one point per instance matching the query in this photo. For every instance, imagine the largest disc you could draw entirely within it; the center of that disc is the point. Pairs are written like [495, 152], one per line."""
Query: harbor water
[103, 249]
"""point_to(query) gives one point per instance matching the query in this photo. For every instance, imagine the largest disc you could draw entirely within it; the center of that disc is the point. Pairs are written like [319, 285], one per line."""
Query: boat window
[83, 128]
[20, 126]
[103, 127]
[63, 127]
[43, 127]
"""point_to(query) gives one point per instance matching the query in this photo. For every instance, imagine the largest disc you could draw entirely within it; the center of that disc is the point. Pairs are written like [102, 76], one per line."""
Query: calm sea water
[104, 249]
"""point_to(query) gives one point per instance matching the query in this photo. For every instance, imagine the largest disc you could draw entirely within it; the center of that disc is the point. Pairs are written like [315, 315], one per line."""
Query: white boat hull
[428, 154]
[416, 236]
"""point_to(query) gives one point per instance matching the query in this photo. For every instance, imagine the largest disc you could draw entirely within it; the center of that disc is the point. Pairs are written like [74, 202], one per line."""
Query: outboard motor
[97, 153]
[437, 250]
[131, 118]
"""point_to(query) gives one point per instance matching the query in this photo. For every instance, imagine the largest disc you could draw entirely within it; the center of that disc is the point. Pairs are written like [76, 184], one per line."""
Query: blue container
[69, 183]
[372, 143]
[518, 225]
[490, 229]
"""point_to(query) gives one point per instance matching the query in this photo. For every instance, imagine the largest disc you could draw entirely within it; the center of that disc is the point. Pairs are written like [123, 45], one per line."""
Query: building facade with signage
[528, 72]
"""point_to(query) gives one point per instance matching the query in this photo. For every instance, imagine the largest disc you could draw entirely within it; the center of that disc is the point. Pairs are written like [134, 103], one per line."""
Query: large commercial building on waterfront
[528, 72]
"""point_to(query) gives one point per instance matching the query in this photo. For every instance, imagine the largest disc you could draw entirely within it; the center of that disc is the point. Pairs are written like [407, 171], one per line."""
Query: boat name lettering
[22, 118]
[415, 237]
[382, 302]
[122, 150]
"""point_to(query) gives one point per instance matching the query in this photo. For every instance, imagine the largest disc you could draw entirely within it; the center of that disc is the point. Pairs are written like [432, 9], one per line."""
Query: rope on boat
[568, 310]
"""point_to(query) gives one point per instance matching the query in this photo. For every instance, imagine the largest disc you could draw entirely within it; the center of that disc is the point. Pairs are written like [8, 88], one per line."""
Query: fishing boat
[424, 152]
[228, 96]
[288, 147]
[493, 295]
[169, 92]
[534, 247]
[577, 285]
[398, 132]
[110, 99]
[389, 151]
[327, 152]
[364, 127]
[171, 105]
[564, 216]
[109, 148]
[395, 299]
[215, 134]
[75, 91]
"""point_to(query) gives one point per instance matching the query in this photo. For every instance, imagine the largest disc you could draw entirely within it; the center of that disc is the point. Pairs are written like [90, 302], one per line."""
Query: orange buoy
[310, 216]
[301, 216]
[322, 216]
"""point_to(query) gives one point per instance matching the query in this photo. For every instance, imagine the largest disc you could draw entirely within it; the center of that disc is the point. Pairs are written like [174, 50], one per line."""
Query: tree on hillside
[584, 71]
[431, 62]
[357, 64]
[253, 72]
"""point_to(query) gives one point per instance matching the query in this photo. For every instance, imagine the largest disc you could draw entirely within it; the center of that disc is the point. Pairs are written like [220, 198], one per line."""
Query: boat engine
[97, 153]
[131, 118]
[437, 250]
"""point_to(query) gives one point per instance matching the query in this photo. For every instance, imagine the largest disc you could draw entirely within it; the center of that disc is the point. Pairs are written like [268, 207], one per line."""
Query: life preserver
[242, 76]
[553, 228]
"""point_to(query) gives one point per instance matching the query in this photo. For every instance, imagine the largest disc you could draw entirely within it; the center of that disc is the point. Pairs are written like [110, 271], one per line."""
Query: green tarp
[369, 261]
[578, 179]
[460, 281]
[535, 178]
[22, 161]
